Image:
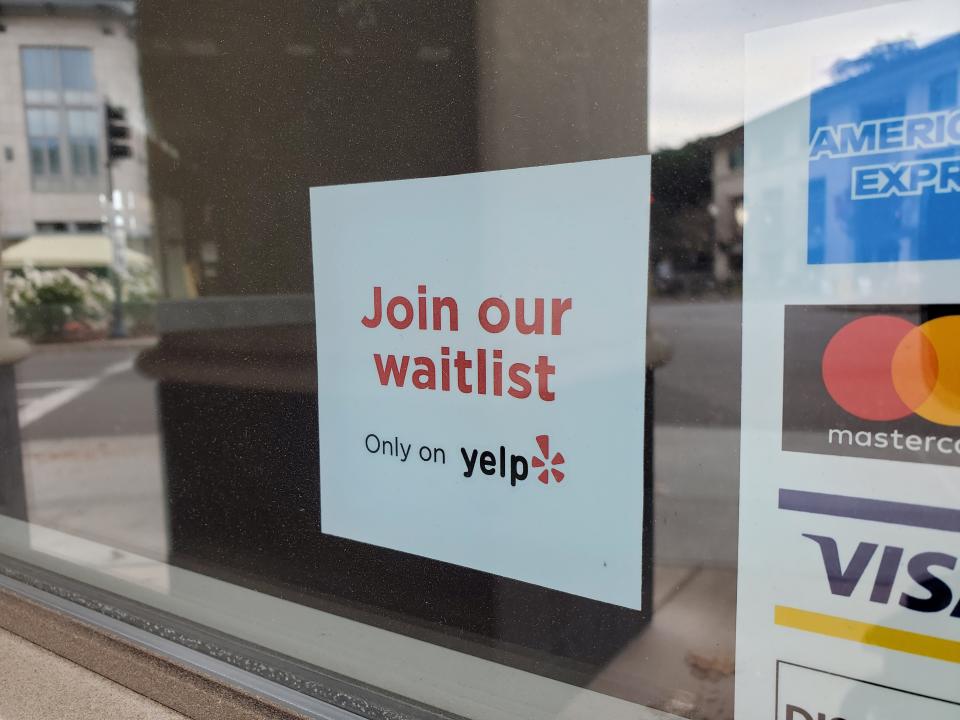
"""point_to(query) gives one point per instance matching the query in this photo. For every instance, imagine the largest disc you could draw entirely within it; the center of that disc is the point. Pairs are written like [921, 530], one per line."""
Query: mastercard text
[894, 440]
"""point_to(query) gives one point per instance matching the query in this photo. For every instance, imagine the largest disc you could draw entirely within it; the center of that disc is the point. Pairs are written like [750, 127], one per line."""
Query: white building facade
[59, 63]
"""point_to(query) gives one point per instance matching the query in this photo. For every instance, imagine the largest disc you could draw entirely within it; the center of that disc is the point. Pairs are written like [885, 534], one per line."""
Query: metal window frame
[195, 671]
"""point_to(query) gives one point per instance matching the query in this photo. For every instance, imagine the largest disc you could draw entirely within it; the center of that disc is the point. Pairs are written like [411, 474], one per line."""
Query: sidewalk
[105, 488]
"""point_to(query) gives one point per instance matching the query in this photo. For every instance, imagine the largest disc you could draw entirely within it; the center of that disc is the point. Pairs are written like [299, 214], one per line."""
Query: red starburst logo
[547, 462]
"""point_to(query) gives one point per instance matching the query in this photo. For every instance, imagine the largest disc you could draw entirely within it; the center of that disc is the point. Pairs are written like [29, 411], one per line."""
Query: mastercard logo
[882, 367]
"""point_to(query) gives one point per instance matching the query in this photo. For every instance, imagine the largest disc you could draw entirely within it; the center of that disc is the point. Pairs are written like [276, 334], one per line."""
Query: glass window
[943, 91]
[735, 158]
[47, 226]
[43, 130]
[83, 134]
[41, 78]
[36, 132]
[76, 69]
[491, 359]
[59, 86]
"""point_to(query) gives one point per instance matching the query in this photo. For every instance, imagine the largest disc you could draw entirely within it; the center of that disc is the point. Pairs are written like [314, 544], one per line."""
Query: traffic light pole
[117, 133]
[118, 325]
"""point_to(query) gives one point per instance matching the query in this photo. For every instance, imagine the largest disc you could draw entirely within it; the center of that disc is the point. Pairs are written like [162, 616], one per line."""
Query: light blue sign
[480, 370]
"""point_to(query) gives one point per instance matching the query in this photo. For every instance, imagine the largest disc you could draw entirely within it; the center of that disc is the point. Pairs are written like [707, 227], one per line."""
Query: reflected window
[50, 226]
[735, 157]
[82, 131]
[43, 133]
[881, 108]
[41, 81]
[943, 91]
[63, 117]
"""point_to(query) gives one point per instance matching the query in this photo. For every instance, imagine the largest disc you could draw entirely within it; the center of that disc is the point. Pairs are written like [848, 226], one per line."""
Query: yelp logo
[513, 466]
[547, 462]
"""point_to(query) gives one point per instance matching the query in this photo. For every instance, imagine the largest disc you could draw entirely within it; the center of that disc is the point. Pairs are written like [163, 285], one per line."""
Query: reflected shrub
[63, 304]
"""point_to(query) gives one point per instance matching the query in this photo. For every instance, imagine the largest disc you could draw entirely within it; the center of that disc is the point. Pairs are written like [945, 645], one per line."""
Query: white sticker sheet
[849, 568]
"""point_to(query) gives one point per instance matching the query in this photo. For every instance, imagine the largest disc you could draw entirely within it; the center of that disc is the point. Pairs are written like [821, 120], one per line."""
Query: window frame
[176, 662]
[67, 104]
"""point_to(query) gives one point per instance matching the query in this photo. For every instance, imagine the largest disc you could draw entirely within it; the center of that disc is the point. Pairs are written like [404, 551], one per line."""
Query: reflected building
[891, 81]
[370, 91]
[61, 61]
[893, 90]
[257, 104]
[876, 222]
[727, 204]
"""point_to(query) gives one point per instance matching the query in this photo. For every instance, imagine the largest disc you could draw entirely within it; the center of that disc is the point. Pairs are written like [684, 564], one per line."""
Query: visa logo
[844, 578]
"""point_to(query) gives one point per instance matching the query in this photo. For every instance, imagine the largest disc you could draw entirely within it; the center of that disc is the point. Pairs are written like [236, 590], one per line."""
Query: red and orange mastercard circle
[882, 367]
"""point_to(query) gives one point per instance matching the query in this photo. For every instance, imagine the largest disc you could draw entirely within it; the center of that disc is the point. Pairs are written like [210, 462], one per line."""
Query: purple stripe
[885, 511]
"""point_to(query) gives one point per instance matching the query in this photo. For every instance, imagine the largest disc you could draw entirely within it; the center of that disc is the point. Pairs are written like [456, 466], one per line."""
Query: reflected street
[91, 451]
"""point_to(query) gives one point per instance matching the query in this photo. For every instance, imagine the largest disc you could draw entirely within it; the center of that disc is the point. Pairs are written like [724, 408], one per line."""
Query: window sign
[849, 573]
[481, 344]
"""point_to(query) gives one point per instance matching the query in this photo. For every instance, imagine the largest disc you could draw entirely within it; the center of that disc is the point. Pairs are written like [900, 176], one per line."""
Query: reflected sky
[697, 58]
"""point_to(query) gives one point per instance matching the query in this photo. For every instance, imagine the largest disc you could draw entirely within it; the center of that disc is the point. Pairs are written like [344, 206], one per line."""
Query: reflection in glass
[193, 440]
[896, 103]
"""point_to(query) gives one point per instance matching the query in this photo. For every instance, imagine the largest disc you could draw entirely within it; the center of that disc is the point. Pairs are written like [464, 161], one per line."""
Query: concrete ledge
[161, 680]
[40, 685]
